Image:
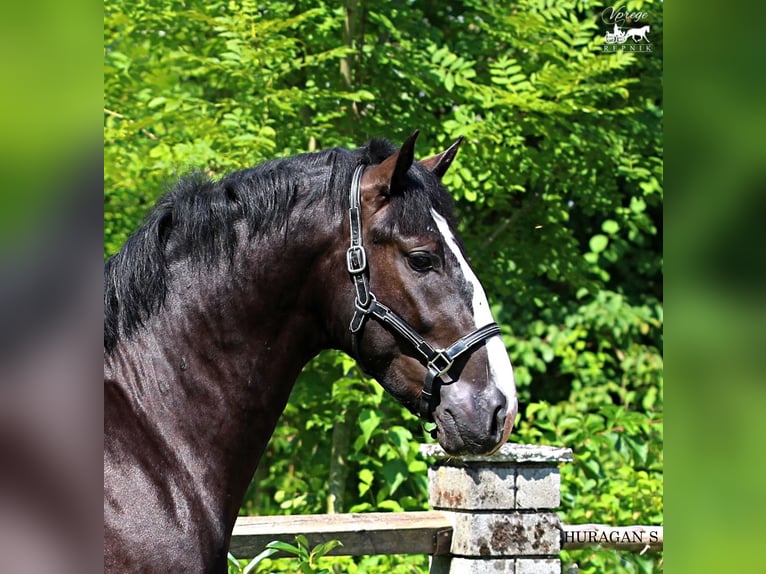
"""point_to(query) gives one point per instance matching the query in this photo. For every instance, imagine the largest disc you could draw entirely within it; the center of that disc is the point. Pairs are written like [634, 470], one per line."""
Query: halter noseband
[437, 361]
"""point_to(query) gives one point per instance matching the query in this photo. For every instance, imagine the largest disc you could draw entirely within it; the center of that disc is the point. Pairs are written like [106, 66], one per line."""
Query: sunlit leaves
[368, 422]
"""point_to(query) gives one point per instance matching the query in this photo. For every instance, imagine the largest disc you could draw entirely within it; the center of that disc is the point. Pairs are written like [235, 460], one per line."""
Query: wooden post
[502, 508]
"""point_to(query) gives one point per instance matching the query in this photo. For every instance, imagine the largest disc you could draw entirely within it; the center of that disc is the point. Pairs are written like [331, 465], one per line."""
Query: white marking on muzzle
[500, 369]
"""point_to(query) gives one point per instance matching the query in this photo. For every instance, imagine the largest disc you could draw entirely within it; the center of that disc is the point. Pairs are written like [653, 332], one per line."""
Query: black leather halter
[437, 361]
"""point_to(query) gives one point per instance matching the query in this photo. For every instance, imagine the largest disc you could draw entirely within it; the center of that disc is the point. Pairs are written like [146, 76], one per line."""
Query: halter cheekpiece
[437, 361]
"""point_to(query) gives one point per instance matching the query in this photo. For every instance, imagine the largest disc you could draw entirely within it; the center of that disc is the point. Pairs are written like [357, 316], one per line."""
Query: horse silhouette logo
[638, 34]
[617, 36]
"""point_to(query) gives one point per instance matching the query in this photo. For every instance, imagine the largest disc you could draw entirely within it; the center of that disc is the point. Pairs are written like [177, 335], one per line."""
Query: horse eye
[420, 261]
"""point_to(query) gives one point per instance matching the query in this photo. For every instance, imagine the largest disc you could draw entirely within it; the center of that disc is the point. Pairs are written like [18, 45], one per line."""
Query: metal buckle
[356, 259]
[365, 309]
[443, 369]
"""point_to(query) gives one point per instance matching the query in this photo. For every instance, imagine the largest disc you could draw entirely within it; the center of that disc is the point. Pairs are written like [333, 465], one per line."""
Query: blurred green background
[716, 251]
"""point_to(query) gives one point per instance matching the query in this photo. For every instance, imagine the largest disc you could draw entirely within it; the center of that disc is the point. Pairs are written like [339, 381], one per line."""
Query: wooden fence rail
[428, 532]
[493, 513]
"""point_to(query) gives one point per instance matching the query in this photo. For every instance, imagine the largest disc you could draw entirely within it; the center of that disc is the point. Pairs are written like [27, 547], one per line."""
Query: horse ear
[404, 161]
[387, 178]
[440, 162]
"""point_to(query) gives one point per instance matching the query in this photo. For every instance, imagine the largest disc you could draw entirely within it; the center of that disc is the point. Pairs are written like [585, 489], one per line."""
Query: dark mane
[195, 220]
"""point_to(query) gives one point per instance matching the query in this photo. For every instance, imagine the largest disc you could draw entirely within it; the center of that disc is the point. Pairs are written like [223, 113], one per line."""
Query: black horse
[215, 304]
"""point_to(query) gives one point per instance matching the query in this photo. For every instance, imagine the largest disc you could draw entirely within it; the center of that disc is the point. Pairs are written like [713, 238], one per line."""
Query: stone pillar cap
[509, 452]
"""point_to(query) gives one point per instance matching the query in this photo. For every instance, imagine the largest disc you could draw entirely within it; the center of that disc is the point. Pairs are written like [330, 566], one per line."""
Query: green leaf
[639, 448]
[637, 204]
[323, 549]
[449, 81]
[390, 505]
[395, 472]
[368, 422]
[253, 564]
[598, 243]
[610, 226]
[155, 102]
[281, 546]
[366, 478]
[437, 56]
[448, 60]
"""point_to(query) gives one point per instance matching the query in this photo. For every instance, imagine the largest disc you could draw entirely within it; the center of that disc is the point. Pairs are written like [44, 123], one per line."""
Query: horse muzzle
[473, 424]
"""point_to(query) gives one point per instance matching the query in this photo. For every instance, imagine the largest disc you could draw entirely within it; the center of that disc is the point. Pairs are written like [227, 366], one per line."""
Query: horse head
[421, 323]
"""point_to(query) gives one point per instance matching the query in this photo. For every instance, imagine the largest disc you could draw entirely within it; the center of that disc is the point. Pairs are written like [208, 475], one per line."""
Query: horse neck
[212, 372]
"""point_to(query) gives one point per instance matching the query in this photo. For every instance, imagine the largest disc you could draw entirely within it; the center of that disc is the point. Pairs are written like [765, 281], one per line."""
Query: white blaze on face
[500, 369]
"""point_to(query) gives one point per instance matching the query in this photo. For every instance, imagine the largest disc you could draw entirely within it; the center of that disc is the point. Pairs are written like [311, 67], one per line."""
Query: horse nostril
[498, 420]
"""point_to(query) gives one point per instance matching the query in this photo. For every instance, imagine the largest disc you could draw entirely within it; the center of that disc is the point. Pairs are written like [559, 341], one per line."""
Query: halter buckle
[440, 364]
[356, 259]
[365, 309]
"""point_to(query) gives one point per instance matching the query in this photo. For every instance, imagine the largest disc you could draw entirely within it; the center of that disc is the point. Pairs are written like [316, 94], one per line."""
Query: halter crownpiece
[437, 361]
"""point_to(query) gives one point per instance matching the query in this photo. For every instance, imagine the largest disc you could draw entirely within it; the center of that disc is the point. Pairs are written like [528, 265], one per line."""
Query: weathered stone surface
[509, 452]
[506, 534]
[445, 565]
[476, 487]
[538, 566]
[537, 487]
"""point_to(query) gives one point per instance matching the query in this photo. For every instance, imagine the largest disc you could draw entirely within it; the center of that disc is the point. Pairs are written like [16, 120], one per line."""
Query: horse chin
[445, 432]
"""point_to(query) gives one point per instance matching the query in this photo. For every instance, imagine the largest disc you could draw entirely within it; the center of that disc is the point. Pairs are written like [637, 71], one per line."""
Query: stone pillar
[502, 508]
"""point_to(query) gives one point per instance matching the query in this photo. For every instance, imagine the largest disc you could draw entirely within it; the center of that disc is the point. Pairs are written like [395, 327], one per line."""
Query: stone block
[506, 534]
[457, 565]
[476, 487]
[538, 566]
[447, 565]
[537, 487]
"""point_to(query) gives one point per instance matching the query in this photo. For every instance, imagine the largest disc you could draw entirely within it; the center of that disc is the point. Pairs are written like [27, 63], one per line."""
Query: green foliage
[306, 558]
[558, 183]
